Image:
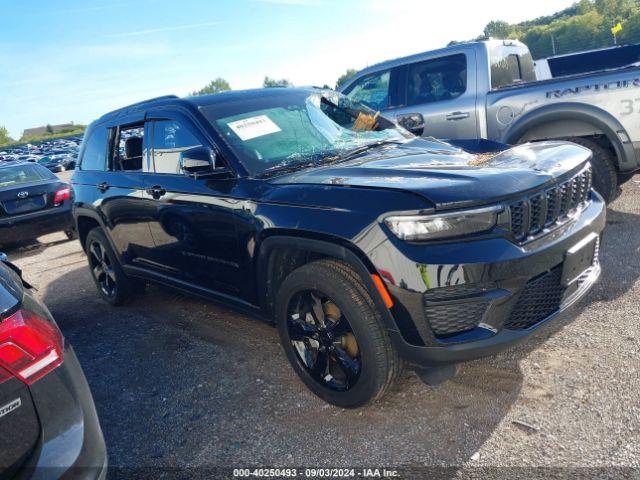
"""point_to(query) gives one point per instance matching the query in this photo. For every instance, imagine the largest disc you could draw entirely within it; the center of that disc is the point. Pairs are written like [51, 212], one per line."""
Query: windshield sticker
[254, 127]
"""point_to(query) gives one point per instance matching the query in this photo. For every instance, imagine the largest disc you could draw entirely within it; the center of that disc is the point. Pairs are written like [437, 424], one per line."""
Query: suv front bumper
[490, 285]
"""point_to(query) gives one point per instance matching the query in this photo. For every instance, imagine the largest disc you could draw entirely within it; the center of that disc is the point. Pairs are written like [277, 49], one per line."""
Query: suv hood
[449, 177]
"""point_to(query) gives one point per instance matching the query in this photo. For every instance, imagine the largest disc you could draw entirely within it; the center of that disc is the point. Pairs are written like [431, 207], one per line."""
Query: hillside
[583, 26]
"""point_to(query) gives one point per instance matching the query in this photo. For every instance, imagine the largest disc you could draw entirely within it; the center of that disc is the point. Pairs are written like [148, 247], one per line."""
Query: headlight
[444, 225]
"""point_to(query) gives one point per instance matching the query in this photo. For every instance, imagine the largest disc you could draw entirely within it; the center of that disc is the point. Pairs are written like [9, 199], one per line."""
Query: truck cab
[489, 90]
[447, 86]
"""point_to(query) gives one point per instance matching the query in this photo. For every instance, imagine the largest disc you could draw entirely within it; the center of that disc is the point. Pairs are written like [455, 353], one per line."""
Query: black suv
[368, 246]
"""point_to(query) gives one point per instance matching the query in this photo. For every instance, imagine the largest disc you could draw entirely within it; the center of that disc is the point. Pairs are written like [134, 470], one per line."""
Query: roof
[203, 100]
[43, 129]
[417, 57]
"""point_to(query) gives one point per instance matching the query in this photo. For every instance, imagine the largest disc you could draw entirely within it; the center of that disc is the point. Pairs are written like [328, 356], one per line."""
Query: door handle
[457, 116]
[103, 187]
[156, 191]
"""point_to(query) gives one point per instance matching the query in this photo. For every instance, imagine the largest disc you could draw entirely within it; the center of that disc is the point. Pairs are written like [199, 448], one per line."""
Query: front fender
[600, 119]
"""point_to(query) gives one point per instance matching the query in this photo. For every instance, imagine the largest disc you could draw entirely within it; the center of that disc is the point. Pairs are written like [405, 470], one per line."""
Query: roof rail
[128, 108]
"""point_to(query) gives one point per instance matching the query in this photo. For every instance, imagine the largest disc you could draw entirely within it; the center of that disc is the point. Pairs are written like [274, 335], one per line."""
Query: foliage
[345, 76]
[584, 25]
[5, 139]
[269, 82]
[215, 86]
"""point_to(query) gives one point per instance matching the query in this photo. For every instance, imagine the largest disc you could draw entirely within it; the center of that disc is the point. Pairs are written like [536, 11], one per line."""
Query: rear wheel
[333, 335]
[112, 283]
[605, 177]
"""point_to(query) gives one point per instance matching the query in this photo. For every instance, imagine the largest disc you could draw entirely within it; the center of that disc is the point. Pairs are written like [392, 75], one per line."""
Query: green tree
[4, 136]
[49, 128]
[498, 29]
[345, 76]
[584, 25]
[269, 82]
[215, 86]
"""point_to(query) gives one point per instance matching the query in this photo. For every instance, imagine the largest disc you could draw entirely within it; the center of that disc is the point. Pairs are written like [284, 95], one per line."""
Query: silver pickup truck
[488, 90]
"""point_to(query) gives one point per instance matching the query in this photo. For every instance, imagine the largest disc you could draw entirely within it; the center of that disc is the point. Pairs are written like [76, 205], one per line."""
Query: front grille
[446, 319]
[540, 298]
[546, 209]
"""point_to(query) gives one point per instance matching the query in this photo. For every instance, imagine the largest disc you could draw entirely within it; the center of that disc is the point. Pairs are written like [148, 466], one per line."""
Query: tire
[378, 363]
[71, 234]
[98, 247]
[625, 177]
[605, 177]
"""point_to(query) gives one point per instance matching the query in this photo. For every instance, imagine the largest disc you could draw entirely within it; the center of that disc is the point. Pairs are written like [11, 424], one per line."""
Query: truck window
[170, 138]
[95, 151]
[372, 90]
[510, 65]
[436, 80]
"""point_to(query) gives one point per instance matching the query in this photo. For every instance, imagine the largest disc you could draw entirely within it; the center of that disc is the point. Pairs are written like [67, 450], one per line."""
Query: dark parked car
[57, 163]
[367, 245]
[33, 202]
[48, 422]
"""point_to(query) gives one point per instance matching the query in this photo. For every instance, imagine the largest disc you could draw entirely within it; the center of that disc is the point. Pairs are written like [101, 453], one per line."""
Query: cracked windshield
[296, 129]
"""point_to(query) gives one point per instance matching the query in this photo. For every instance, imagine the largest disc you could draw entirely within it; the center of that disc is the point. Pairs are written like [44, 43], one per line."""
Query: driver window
[170, 138]
[437, 80]
[372, 90]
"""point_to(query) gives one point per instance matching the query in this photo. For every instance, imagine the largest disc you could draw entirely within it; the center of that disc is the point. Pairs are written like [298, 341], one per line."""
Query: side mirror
[413, 122]
[198, 161]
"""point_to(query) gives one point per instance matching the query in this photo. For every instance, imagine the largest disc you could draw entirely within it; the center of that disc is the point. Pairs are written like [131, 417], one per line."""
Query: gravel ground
[183, 383]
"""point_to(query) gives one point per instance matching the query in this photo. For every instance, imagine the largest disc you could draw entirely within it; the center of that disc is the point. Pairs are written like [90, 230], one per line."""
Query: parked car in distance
[33, 202]
[368, 246]
[57, 162]
[48, 422]
[488, 90]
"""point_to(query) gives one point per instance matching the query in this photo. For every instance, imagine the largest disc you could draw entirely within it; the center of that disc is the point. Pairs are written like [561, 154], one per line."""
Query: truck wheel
[605, 177]
[625, 177]
[333, 335]
[112, 283]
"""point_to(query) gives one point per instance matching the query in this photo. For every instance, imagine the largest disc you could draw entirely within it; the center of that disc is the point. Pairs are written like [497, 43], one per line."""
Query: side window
[95, 150]
[129, 152]
[170, 138]
[437, 80]
[510, 65]
[372, 90]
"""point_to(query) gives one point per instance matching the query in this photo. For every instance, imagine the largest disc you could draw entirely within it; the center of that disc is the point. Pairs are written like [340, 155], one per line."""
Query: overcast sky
[71, 60]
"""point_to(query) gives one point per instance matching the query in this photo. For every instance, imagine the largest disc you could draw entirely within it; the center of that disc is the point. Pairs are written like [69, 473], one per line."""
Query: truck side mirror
[413, 122]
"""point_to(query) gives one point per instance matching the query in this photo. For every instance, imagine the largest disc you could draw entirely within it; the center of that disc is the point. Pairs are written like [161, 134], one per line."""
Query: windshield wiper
[287, 168]
[369, 146]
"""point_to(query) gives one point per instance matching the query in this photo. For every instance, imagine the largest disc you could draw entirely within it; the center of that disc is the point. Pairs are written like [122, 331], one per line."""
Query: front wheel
[333, 335]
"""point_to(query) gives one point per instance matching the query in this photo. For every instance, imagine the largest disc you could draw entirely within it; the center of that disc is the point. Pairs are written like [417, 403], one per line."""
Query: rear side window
[10, 176]
[95, 150]
[510, 65]
[372, 90]
[130, 151]
[170, 138]
[437, 80]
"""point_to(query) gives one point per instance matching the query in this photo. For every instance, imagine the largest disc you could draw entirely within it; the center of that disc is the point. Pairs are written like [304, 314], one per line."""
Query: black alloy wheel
[323, 340]
[102, 269]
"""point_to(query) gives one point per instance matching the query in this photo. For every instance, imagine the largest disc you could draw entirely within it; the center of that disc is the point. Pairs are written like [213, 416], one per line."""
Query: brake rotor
[348, 340]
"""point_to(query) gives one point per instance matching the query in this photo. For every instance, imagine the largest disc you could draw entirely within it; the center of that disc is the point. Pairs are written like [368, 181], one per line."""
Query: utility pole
[553, 44]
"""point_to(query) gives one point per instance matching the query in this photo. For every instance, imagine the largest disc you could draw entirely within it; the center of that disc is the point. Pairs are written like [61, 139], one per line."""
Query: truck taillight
[30, 346]
[62, 195]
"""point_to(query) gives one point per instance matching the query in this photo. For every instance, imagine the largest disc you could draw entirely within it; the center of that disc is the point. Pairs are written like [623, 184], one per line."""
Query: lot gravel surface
[179, 382]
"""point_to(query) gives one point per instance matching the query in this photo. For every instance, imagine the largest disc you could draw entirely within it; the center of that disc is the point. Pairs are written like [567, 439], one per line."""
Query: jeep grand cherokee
[369, 247]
